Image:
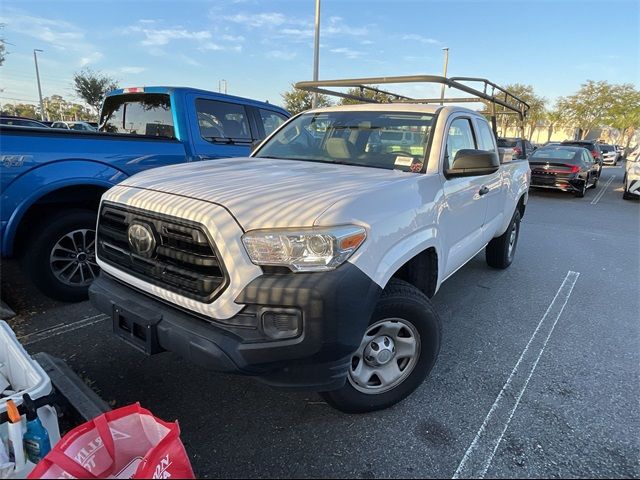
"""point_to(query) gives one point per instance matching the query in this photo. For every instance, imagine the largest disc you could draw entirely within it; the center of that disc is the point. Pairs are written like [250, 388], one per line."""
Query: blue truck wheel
[61, 259]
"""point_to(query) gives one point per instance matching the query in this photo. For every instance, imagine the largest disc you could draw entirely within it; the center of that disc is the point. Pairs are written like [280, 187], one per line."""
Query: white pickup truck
[310, 264]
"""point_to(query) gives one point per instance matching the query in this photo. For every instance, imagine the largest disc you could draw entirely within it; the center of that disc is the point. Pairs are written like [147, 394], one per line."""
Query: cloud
[154, 37]
[366, 42]
[280, 55]
[347, 52]
[421, 39]
[132, 70]
[93, 57]
[336, 26]
[189, 61]
[271, 19]
[52, 33]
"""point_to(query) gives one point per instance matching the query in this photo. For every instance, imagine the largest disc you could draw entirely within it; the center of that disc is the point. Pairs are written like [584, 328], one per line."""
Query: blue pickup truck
[51, 180]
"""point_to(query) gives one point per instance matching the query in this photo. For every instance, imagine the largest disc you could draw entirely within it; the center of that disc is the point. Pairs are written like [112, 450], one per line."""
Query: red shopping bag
[125, 443]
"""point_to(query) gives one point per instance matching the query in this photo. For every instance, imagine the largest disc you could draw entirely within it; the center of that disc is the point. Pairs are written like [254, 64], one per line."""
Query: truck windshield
[389, 140]
[138, 114]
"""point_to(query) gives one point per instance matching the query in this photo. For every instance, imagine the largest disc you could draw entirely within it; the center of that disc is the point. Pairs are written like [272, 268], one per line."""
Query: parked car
[521, 148]
[310, 264]
[631, 180]
[567, 168]
[79, 126]
[591, 145]
[52, 179]
[621, 151]
[21, 122]
[609, 154]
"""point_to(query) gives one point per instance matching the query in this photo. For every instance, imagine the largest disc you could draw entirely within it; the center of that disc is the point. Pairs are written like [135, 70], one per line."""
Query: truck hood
[267, 193]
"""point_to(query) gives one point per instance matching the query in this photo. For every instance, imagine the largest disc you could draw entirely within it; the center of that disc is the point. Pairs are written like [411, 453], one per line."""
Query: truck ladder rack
[489, 93]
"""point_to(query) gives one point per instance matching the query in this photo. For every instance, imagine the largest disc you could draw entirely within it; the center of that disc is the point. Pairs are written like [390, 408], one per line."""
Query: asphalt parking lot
[538, 374]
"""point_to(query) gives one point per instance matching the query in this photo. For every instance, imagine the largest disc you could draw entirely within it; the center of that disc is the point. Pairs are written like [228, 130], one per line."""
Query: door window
[222, 121]
[485, 137]
[459, 137]
[271, 120]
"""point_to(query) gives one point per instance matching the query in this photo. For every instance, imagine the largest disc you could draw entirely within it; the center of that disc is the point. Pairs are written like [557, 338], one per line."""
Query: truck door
[465, 207]
[219, 128]
[496, 196]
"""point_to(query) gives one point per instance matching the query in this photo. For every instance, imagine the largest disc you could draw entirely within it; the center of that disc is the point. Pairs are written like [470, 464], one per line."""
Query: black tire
[581, 193]
[37, 257]
[626, 195]
[498, 252]
[399, 300]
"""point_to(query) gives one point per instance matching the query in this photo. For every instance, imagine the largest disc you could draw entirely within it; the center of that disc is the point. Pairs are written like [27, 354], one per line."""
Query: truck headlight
[304, 249]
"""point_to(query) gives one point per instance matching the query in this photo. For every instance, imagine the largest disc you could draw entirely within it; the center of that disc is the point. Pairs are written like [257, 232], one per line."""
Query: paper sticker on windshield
[403, 161]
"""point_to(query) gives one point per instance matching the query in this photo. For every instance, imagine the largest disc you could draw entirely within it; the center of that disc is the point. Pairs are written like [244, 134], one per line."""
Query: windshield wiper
[303, 160]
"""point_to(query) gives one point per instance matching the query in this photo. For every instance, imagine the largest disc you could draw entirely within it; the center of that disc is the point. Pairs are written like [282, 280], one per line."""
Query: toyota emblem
[141, 239]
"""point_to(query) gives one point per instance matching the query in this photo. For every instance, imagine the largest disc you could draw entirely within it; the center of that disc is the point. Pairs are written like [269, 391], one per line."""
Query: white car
[77, 126]
[631, 181]
[311, 263]
[610, 154]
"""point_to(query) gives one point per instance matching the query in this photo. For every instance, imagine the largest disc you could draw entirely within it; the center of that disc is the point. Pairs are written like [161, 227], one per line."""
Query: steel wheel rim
[513, 237]
[372, 379]
[73, 258]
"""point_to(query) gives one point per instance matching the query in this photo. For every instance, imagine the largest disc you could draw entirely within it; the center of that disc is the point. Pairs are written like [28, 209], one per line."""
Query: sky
[261, 47]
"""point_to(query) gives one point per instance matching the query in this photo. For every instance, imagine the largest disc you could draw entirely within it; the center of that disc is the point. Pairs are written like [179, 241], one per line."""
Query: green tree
[377, 96]
[297, 101]
[3, 50]
[92, 87]
[21, 110]
[589, 107]
[624, 112]
[535, 114]
[554, 118]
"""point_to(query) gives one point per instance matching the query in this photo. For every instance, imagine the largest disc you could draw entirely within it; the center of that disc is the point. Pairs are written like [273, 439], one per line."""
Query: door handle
[484, 190]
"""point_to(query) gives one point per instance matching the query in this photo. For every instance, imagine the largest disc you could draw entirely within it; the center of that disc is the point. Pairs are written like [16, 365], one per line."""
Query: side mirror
[254, 145]
[471, 163]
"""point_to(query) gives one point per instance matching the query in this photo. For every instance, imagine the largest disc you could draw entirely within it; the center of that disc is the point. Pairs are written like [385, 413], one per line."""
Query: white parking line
[479, 455]
[602, 190]
[60, 329]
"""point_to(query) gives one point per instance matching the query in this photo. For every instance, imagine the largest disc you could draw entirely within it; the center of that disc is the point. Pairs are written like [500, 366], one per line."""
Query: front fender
[27, 189]
[381, 269]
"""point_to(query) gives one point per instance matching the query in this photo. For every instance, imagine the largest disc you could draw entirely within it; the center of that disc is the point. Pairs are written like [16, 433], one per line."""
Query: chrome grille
[184, 261]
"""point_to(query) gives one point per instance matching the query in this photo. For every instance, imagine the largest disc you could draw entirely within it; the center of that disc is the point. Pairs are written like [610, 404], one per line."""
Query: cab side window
[271, 120]
[459, 137]
[486, 139]
[222, 121]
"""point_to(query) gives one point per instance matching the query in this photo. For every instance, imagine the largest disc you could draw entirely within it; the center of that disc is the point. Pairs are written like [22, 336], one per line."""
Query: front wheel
[60, 258]
[397, 352]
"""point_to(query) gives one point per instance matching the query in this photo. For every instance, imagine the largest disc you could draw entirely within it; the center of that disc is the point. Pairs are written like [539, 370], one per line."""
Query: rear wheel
[396, 353]
[583, 189]
[60, 258]
[500, 251]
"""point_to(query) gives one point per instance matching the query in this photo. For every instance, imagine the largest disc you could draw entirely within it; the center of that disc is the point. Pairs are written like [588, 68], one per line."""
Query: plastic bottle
[16, 448]
[36, 438]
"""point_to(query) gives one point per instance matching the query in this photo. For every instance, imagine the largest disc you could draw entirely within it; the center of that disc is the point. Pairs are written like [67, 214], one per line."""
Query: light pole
[446, 64]
[43, 116]
[316, 53]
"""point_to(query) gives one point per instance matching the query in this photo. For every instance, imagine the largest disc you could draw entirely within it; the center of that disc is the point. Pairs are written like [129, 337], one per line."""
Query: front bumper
[334, 309]
[633, 185]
